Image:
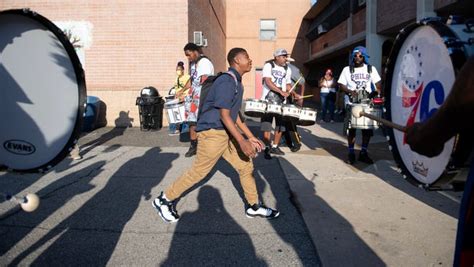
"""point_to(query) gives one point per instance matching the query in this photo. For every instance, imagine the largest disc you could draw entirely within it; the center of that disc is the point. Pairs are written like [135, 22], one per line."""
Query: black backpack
[207, 86]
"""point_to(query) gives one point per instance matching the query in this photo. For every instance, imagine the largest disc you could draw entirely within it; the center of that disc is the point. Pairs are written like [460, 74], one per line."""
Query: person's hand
[373, 94]
[296, 96]
[257, 144]
[284, 94]
[248, 148]
[354, 93]
[422, 143]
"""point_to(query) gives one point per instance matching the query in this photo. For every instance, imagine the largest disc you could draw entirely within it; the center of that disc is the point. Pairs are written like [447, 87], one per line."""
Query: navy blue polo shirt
[224, 93]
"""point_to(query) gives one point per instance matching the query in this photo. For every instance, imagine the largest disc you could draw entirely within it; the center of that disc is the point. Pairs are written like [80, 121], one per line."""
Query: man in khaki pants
[219, 136]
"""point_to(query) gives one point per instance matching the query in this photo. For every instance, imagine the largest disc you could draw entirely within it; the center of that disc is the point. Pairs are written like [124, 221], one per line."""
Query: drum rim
[255, 100]
[80, 79]
[458, 57]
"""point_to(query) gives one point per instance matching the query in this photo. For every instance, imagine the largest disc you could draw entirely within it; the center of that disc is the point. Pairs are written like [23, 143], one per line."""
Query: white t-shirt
[204, 67]
[280, 77]
[360, 79]
[328, 86]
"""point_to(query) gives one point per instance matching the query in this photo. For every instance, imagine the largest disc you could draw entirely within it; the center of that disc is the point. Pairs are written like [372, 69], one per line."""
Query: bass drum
[43, 92]
[421, 70]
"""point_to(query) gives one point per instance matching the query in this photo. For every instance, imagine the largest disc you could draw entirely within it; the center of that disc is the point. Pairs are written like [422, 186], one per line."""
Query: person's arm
[346, 90]
[246, 146]
[252, 139]
[451, 118]
[273, 87]
[300, 100]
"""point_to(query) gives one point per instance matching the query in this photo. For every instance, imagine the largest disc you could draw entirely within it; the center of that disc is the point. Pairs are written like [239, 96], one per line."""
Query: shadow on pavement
[209, 236]
[335, 236]
[89, 236]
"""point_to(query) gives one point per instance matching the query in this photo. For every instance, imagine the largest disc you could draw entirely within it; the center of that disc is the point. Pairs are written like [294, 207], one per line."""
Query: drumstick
[296, 83]
[357, 112]
[306, 96]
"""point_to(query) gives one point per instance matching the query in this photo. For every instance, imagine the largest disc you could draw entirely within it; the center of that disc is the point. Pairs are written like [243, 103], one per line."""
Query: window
[267, 29]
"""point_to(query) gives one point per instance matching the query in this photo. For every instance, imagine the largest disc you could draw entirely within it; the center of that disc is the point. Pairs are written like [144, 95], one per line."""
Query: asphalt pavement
[97, 210]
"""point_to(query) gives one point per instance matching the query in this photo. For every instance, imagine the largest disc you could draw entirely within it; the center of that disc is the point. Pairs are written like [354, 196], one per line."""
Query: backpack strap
[201, 101]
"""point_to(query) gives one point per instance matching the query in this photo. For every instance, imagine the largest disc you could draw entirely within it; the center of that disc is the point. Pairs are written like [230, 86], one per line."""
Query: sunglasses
[358, 55]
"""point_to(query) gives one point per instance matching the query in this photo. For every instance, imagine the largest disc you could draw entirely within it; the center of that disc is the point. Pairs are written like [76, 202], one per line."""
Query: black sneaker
[166, 209]
[191, 152]
[266, 153]
[295, 148]
[260, 210]
[364, 157]
[351, 158]
[276, 151]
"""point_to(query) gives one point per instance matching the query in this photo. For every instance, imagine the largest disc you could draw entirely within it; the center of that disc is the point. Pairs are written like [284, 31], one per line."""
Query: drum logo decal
[419, 168]
[19, 147]
[413, 93]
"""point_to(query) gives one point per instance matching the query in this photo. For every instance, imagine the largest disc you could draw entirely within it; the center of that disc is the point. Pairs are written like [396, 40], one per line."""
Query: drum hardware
[291, 112]
[28, 203]
[45, 114]
[175, 111]
[357, 122]
[358, 111]
[413, 81]
[254, 107]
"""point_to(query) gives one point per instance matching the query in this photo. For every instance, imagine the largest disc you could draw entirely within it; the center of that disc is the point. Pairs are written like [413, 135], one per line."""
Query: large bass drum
[420, 73]
[42, 92]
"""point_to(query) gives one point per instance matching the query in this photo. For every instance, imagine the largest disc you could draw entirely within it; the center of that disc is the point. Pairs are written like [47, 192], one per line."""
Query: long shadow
[53, 197]
[89, 236]
[290, 227]
[217, 240]
[121, 123]
[336, 238]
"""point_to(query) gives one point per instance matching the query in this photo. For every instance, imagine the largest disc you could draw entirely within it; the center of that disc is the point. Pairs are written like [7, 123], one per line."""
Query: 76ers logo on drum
[413, 95]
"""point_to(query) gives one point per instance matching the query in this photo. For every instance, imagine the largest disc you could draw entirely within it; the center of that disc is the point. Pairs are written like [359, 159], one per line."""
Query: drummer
[276, 88]
[358, 80]
[180, 90]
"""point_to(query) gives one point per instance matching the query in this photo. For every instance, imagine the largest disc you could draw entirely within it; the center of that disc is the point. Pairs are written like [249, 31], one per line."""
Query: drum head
[421, 71]
[42, 92]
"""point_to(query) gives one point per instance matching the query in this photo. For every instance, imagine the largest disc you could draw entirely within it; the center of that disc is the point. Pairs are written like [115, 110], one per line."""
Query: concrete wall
[393, 14]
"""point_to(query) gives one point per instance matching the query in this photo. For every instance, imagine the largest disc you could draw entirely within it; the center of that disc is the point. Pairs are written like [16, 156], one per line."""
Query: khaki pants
[212, 144]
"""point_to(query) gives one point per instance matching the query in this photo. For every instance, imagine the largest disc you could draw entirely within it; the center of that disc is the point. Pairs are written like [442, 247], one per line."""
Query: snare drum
[175, 111]
[43, 92]
[420, 73]
[254, 107]
[291, 112]
[274, 109]
[307, 117]
[364, 122]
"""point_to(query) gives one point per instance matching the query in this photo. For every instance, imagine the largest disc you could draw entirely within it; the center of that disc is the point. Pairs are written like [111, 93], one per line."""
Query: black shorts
[267, 120]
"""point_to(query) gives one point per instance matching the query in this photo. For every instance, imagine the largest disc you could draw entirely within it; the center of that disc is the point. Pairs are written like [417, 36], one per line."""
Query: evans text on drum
[421, 70]
[43, 92]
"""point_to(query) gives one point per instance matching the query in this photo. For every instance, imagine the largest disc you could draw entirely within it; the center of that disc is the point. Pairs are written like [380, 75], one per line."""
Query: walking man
[219, 136]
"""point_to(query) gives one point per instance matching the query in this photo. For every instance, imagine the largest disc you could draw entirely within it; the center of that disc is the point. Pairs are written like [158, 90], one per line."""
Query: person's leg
[244, 166]
[193, 137]
[266, 127]
[331, 104]
[214, 144]
[364, 155]
[350, 143]
[323, 97]
[279, 129]
[172, 128]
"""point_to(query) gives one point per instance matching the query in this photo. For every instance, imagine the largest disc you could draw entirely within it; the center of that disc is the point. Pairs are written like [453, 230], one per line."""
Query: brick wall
[393, 14]
[332, 37]
[133, 44]
[358, 22]
[209, 17]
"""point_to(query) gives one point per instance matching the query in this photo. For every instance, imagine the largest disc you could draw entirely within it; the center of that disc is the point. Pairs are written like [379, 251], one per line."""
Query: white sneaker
[166, 209]
[260, 210]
